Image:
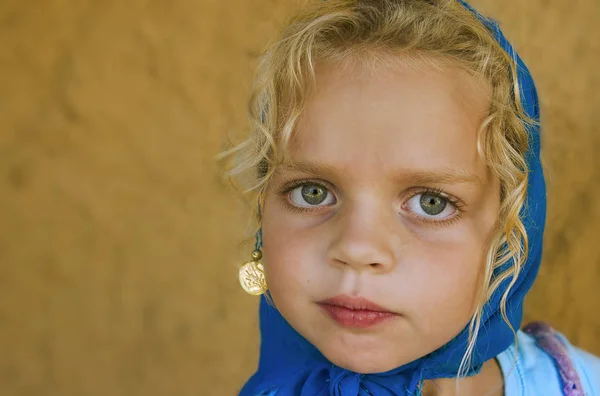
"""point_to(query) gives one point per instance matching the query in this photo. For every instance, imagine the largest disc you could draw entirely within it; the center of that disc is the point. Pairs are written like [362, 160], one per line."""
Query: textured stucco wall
[118, 243]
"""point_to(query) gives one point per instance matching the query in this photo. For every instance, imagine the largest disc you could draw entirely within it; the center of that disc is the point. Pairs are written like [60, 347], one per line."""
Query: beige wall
[118, 243]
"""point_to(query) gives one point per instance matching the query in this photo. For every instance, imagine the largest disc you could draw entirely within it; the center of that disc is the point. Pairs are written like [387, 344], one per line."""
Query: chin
[363, 363]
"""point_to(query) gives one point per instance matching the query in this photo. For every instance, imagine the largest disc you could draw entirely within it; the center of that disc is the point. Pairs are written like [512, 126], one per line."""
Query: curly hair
[372, 31]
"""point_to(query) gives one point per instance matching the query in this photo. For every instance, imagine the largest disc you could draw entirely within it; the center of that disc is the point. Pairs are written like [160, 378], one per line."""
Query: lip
[356, 312]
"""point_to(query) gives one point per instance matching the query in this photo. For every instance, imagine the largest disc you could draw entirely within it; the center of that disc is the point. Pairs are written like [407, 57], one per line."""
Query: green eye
[432, 204]
[314, 194]
[310, 195]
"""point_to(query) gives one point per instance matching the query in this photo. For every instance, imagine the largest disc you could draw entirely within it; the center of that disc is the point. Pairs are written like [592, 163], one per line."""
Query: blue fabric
[290, 365]
[529, 371]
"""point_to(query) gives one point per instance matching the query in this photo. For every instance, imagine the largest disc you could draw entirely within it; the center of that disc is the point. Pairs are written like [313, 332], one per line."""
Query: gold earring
[252, 275]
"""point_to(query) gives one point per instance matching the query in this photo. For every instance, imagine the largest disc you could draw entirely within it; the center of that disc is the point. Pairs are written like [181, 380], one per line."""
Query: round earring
[252, 273]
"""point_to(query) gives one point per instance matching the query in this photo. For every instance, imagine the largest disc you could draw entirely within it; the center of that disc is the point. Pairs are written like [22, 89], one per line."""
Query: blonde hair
[372, 30]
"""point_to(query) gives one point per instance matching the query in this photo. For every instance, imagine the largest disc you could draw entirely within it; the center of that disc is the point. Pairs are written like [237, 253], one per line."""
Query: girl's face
[386, 200]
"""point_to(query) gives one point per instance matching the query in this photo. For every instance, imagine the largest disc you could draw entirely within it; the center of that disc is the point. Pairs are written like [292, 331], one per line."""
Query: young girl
[401, 209]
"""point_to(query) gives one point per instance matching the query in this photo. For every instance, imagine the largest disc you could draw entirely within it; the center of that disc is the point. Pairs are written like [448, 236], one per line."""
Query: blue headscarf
[290, 365]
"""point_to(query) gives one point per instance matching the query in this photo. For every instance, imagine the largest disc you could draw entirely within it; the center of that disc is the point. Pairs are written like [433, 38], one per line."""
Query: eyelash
[286, 189]
[457, 203]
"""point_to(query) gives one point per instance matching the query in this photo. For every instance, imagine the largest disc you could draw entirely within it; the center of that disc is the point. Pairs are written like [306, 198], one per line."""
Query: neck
[488, 382]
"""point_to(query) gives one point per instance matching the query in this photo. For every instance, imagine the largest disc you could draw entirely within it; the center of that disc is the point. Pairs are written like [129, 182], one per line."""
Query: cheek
[288, 255]
[444, 282]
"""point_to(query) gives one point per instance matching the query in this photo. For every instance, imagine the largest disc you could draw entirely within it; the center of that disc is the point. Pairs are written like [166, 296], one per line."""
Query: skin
[375, 141]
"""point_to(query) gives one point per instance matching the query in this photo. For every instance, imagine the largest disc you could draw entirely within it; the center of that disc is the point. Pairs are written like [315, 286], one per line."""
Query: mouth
[356, 312]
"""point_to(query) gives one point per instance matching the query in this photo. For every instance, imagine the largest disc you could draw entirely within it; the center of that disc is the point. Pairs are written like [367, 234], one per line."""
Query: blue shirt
[529, 371]
[534, 373]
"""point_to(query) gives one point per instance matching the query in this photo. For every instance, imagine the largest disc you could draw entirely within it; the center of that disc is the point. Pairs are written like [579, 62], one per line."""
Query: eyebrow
[441, 176]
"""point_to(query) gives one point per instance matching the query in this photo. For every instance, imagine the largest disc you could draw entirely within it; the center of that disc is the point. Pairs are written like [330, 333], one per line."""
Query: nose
[365, 239]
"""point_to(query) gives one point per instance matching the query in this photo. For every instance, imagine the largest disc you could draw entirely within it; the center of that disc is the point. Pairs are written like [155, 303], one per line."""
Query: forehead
[399, 117]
